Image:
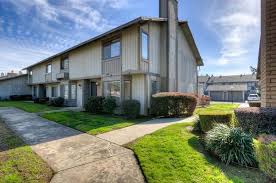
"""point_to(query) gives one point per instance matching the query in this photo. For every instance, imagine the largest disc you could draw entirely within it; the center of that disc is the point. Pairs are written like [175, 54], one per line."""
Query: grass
[218, 108]
[18, 163]
[91, 124]
[27, 106]
[175, 155]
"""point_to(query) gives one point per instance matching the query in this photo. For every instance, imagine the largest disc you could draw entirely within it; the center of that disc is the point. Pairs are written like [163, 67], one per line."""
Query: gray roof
[233, 78]
[203, 79]
[12, 77]
[240, 87]
[183, 24]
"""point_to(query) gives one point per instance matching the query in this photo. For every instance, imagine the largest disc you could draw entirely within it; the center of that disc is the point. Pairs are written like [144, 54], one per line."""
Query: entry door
[93, 89]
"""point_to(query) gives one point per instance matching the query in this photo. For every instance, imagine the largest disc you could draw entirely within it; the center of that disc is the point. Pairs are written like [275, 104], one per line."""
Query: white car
[253, 97]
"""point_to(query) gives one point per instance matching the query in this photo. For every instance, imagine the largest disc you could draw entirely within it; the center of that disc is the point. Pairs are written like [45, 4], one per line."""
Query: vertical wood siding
[130, 49]
[138, 90]
[39, 72]
[187, 69]
[154, 54]
[112, 66]
[85, 61]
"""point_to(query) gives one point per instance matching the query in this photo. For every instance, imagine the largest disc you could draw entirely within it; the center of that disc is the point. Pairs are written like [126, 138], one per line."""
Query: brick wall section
[268, 53]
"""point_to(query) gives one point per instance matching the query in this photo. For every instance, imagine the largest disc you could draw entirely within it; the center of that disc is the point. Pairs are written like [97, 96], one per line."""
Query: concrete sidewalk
[74, 156]
[131, 133]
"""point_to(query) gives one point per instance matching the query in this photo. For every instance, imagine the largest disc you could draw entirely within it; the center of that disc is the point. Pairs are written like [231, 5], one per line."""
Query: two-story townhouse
[230, 88]
[132, 61]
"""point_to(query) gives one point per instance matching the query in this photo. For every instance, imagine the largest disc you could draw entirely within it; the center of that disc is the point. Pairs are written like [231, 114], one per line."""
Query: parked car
[253, 97]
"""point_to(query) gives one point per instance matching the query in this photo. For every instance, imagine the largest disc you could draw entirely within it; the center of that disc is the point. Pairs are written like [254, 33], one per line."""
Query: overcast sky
[227, 32]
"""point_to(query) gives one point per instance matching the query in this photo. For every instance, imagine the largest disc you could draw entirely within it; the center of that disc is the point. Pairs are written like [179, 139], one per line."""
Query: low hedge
[131, 108]
[257, 120]
[173, 104]
[20, 97]
[209, 120]
[254, 104]
[57, 102]
[94, 105]
[265, 148]
[42, 100]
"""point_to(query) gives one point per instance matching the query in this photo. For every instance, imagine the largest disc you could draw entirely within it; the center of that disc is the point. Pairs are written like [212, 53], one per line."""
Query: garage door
[216, 96]
[237, 96]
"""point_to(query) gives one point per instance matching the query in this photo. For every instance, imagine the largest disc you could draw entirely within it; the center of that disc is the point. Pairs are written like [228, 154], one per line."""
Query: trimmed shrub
[131, 108]
[231, 145]
[257, 120]
[20, 97]
[57, 102]
[209, 120]
[173, 104]
[203, 100]
[94, 105]
[109, 105]
[254, 104]
[265, 148]
[42, 100]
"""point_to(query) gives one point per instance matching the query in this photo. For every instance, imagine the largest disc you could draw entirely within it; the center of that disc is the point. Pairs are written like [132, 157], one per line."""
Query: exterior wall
[86, 62]
[139, 90]
[55, 68]
[268, 57]
[130, 49]
[154, 47]
[39, 72]
[16, 86]
[187, 68]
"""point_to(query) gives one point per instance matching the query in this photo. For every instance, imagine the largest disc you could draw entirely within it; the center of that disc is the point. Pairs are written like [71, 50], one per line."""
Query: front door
[93, 89]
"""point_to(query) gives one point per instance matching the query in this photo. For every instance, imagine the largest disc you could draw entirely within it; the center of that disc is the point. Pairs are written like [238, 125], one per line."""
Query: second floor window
[145, 46]
[112, 49]
[64, 63]
[49, 68]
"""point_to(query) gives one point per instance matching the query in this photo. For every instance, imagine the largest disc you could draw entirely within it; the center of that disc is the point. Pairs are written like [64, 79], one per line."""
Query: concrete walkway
[75, 157]
[129, 134]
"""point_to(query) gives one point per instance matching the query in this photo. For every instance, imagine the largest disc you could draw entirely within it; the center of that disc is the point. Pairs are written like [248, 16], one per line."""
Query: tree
[253, 70]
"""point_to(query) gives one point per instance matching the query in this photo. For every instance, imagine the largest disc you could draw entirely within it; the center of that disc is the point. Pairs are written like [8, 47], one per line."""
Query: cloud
[237, 25]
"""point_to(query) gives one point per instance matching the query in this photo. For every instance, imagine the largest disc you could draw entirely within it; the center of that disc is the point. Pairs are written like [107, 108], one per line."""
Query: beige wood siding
[85, 61]
[187, 69]
[55, 68]
[112, 66]
[154, 48]
[138, 90]
[130, 49]
[39, 72]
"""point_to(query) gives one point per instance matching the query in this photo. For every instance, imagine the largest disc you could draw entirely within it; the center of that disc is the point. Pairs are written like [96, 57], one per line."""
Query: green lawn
[18, 163]
[217, 108]
[174, 154]
[27, 106]
[91, 124]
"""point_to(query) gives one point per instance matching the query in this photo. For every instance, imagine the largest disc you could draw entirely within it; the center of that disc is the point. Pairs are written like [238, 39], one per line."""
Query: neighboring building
[202, 85]
[132, 61]
[234, 88]
[14, 85]
[267, 54]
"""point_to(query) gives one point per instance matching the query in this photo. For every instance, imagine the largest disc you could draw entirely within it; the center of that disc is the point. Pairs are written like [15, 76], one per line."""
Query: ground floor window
[112, 88]
[154, 87]
[73, 91]
[66, 91]
[54, 91]
[127, 90]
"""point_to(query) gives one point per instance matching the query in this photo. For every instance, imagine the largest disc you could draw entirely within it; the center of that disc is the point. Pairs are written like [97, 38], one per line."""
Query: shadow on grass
[237, 174]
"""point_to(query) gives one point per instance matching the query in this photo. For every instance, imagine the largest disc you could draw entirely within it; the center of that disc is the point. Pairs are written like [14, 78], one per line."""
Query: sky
[227, 32]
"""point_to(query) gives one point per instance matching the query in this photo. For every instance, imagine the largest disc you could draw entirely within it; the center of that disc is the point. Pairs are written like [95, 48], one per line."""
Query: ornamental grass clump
[231, 145]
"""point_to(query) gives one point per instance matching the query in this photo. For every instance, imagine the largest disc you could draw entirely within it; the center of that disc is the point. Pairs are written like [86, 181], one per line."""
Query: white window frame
[47, 68]
[109, 46]
[142, 45]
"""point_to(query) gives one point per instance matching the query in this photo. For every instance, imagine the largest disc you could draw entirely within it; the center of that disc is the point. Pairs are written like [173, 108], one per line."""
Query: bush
[57, 102]
[42, 100]
[20, 97]
[257, 120]
[254, 104]
[209, 120]
[265, 148]
[203, 100]
[131, 108]
[94, 105]
[231, 145]
[173, 104]
[109, 105]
